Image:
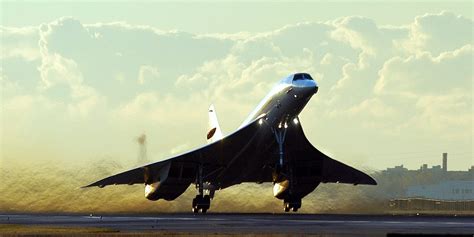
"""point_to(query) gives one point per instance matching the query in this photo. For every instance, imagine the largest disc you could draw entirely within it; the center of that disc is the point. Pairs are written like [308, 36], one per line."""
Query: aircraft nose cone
[308, 86]
[315, 89]
[312, 86]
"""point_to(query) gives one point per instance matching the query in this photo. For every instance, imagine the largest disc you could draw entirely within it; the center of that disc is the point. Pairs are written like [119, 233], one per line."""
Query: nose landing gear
[202, 201]
[280, 135]
[284, 170]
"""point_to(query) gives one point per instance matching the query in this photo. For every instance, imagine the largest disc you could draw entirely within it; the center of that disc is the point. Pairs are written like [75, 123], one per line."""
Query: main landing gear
[292, 204]
[202, 201]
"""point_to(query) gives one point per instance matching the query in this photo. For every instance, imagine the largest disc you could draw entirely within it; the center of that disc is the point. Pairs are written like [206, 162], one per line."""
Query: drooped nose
[309, 86]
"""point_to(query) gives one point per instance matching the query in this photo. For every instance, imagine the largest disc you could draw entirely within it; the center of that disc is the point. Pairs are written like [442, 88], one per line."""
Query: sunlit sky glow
[80, 81]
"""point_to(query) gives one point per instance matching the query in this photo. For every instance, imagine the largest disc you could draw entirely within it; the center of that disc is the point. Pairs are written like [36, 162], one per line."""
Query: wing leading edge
[313, 162]
[212, 155]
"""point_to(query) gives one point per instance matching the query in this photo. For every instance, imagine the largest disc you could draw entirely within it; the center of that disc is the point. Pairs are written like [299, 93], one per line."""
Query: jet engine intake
[151, 191]
[168, 181]
[153, 181]
[281, 188]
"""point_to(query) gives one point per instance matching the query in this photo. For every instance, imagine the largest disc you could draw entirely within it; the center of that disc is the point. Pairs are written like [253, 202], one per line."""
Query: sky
[80, 81]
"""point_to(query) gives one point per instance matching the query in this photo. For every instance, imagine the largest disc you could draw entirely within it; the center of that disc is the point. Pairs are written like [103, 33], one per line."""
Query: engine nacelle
[281, 188]
[169, 181]
[154, 180]
[151, 191]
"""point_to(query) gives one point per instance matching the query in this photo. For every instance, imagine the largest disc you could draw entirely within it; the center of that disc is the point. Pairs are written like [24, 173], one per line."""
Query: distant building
[438, 169]
[397, 169]
[434, 168]
[412, 205]
[445, 162]
[446, 190]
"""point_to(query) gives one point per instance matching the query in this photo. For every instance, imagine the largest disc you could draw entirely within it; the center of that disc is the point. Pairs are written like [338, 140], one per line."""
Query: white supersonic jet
[270, 146]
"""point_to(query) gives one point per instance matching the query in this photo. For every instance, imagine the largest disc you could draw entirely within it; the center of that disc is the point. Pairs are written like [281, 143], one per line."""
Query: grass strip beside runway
[15, 229]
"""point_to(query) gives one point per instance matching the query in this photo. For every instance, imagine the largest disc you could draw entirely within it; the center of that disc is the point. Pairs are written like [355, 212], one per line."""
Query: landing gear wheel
[206, 203]
[207, 200]
[201, 203]
[196, 203]
[291, 204]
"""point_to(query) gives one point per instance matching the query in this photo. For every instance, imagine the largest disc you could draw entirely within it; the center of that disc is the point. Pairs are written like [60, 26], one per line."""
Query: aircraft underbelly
[250, 162]
[261, 154]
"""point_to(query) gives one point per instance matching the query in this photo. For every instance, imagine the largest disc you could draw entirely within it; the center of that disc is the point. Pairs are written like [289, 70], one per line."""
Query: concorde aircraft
[270, 146]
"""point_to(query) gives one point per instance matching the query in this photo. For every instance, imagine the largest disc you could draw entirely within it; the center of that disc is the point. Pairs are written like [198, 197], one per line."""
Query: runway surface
[334, 225]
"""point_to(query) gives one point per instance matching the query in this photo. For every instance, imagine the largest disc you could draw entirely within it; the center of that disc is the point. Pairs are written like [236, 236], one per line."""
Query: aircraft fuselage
[286, 100]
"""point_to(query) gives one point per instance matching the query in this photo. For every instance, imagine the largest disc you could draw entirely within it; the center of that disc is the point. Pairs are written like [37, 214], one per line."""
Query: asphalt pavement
[227, 223]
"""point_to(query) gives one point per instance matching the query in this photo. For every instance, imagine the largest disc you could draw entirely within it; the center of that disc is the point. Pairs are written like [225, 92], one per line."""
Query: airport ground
[223, 224]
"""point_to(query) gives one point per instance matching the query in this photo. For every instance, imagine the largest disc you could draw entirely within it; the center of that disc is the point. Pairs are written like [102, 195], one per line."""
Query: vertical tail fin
[215, 132]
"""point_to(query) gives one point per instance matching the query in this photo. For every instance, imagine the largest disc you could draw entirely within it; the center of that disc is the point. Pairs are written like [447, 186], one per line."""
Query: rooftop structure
[445, 190]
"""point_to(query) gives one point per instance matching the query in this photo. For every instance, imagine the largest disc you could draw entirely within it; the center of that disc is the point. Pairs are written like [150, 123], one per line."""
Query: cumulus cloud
[424, 74]
[445, 112]
[437, 33]
[119, 79]
[110, 51]
[59, 73]
[19, 43]
[147, 73]
[437, 90]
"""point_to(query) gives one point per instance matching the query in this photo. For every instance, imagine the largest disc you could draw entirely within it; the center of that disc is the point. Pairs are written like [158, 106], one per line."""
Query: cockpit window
[302, 76]
[298, 76]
